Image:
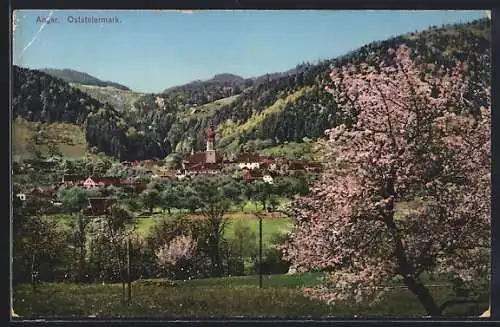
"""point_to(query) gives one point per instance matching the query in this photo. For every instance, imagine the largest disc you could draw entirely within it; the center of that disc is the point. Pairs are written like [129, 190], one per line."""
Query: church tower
[210, 153]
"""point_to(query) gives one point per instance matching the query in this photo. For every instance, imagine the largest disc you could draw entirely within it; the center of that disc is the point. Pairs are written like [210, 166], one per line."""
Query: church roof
[203, 166]
[201, 157]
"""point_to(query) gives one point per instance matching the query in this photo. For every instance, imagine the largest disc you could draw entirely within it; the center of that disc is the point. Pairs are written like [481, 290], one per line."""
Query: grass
[270, 226]
[281, 296]
[69, 139]
[209, 109]
[292, 281]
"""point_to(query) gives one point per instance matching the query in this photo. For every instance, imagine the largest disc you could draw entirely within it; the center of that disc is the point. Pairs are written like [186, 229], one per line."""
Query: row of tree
[88, 248]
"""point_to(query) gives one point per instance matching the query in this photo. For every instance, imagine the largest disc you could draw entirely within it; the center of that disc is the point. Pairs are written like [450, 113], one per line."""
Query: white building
[21, 196]
[268, 179]
[249, 165]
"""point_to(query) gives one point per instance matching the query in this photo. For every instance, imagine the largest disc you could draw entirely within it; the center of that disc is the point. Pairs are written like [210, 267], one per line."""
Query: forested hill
[248, 113]
[294, 105]
[40, 97]
[73, 76]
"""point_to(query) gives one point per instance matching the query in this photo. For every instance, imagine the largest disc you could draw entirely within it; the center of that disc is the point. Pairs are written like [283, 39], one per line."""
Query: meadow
[69, 139]
[281, 296]
[270, 226]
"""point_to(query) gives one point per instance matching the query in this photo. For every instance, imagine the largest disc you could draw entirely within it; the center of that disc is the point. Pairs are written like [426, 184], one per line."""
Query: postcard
[246, 163]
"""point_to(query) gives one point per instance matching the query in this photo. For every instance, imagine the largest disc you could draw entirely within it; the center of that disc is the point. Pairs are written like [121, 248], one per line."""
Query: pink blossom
[179, 248]
[405, 145]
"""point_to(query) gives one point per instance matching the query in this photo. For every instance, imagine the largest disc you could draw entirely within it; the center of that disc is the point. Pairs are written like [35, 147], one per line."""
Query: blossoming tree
[412, 137]
[177, 253]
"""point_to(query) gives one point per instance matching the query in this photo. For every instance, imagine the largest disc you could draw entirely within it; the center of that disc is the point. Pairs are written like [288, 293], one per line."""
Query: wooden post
[33, 273]
[260, 251]
[122, 273]
[129, 278]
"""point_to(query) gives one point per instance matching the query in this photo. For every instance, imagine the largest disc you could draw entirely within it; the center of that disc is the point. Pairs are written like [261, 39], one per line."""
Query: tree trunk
[424, 296]
[81, 267]
[405, 269]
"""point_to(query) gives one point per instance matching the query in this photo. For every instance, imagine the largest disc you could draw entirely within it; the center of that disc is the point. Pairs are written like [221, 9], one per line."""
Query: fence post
[129, 278]
[260, 251]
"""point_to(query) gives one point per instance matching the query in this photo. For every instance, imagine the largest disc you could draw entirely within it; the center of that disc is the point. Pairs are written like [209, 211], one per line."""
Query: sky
[150, 51]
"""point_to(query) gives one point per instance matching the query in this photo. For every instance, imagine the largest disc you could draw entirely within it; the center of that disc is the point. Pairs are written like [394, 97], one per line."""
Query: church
[209, 161]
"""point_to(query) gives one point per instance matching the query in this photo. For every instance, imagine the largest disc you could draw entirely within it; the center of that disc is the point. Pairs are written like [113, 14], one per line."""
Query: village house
[99, 206]
[268, 179]
[254, 161]
[21, 196]
[164, 174]
[252, 175]
[90, 183]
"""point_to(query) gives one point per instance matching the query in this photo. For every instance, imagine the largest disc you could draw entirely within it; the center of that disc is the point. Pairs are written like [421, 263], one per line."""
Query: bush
[272, 261]
[167, 230]
[242, 248]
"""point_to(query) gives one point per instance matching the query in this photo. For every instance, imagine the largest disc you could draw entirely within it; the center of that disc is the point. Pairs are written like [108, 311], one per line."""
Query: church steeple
[210, 153]
[210, 139]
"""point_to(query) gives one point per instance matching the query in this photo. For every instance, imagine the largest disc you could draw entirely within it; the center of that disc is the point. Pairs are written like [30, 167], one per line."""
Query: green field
[281, 296]
[270, 226]
[69, 138]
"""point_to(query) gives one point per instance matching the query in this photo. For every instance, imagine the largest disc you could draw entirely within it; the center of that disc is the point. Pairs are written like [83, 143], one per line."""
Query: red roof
[108, 181]
[251, 175]
[252, 157]
[99, 206]
[201, 157]
[204, 166]
[111, 181]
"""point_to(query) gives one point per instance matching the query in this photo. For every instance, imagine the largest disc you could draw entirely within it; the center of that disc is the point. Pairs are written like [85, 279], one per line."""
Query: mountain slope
[281, 107]
[39, 97]
[263, 113]
[120, 99]
[73, 76]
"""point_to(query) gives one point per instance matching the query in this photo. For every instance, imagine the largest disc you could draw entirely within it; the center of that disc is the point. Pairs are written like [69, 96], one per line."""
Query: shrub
[273, 261]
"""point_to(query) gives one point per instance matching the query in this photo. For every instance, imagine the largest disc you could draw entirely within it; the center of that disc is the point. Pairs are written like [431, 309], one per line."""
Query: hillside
[68, 139]
[39, 97]
[219, 79]
[73, 76]
[120, 99]
[255, 113]
[294, 105]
